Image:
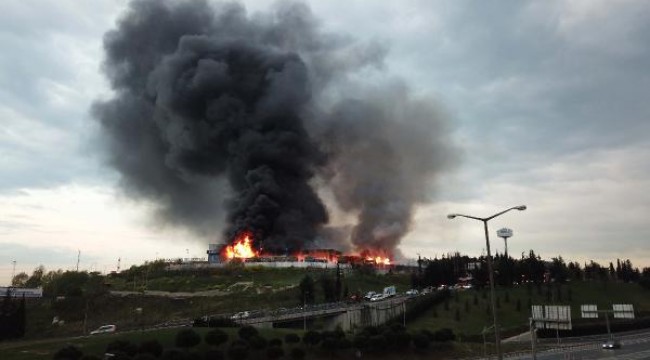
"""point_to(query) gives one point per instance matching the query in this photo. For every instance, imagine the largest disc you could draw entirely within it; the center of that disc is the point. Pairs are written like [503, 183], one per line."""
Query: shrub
[428, 333]
[360, 341]
[344, 344]
[311, 338]
[421, 341]
[216, 337]
[68, 353]
[214, 355]
[122, 347]
[330, 344]
[238, 350]
[152, 347]
[247, 332]
[274, 352]
[275, 342]
[173, 354]
[377, 343]
[144, 356]
[187, 338]
[443, 335]
[402, 340]
[292, 338]
[257, 342]
[90, 357]
[297, 354]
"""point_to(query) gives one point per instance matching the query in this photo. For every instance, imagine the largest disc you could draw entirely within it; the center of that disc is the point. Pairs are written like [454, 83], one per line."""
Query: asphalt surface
[634, 346]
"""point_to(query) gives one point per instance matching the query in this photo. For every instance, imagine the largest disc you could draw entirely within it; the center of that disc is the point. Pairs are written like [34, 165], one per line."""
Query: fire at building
[243, 249]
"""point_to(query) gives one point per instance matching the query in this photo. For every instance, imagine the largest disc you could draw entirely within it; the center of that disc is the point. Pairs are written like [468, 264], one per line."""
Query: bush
[345, 344]
[173, 354]
[428, 334]
[330, 344]
[311, 338]
[216, 337]
[187, 338]
[152, 347]
[291, 338]
[90, 357]
[275, 342]
[297, 354]
[274, 352]
[214, 355]
[238, 350]
[258, 343]
[68, 353]
[247, 332]
[421, 341]
[402, 340]
[443, 335]
[377, 343]
[144, 356]
[360, 341]
[122, 347]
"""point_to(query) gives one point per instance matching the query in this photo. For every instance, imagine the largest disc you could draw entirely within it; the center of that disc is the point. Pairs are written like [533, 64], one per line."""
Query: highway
[634, 346]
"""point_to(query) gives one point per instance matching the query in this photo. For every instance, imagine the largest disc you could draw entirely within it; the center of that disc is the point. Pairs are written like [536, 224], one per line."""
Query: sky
[546, 101]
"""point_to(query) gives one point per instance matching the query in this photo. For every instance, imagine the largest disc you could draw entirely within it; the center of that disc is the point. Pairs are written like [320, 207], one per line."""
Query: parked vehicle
[389, 291]
[377, 297]
[412, 292]
[240, 315]
[105, 329]
[369, 295]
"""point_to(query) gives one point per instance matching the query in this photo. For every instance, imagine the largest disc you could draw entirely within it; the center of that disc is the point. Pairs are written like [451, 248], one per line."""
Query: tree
[306, 286]
[187, 338]
[19, 279]
[297, 354]
[36, 279]
[329, 288]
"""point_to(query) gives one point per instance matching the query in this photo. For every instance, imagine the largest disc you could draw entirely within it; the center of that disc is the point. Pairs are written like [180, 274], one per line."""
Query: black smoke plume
[214, 109]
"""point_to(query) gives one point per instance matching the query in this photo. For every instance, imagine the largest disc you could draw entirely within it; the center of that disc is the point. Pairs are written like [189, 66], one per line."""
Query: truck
[389, 291]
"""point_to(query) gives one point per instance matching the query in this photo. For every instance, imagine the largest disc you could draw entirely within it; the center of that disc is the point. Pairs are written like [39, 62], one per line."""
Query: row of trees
[508, 271]
[250, 343]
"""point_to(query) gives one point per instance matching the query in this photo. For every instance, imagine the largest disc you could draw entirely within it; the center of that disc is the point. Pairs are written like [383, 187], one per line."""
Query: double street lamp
[490, 272]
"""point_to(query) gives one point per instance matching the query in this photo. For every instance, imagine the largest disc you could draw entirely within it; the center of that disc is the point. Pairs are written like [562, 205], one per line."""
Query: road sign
[623, 311]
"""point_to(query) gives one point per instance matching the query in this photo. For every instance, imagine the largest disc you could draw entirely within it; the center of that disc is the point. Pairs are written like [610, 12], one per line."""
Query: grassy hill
[467, 313]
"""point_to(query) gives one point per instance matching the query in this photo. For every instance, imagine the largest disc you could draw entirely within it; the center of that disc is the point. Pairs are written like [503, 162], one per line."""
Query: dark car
[611, 344]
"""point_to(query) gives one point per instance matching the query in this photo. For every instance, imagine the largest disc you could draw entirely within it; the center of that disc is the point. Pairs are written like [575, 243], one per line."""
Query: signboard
[589, 311]
[504, 233]
[558, 317]
[623, 311]
[551, 317]
[20, 292]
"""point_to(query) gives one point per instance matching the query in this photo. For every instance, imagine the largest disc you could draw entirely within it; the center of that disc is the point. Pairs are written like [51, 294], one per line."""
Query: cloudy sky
[547, 103]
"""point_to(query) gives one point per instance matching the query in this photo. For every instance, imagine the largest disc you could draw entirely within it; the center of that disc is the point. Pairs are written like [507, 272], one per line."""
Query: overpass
[347, 316]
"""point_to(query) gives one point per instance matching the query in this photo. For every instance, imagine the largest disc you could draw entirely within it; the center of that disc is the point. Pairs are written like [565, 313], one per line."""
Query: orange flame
[378, 260]
[241, 248]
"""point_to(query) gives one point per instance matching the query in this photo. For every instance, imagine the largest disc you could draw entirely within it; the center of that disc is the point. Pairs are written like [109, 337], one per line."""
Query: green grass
[512, 321]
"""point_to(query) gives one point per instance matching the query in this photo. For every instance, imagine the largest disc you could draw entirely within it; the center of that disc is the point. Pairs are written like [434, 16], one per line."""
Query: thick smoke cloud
[217, 110]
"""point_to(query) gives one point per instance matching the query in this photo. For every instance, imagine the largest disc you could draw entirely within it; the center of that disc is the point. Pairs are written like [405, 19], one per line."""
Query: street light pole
[497, 333]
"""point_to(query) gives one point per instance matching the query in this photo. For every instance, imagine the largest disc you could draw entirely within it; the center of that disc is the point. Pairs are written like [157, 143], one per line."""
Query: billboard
[623, 311]
[20, 292]
[589, 311]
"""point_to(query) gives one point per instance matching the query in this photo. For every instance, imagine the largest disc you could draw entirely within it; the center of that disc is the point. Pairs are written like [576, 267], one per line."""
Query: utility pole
[13, 272]
[78, 257]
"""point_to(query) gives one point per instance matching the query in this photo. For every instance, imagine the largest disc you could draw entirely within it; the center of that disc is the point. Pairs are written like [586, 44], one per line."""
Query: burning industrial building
[235, 126]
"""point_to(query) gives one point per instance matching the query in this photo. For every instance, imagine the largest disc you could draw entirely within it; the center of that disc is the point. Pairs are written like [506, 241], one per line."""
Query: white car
[240, 315]
[412, 292]
[104, 330]
[377, 297]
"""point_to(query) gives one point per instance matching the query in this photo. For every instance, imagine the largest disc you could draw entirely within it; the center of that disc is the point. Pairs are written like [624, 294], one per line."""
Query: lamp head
[451, 216]
[520, 207]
